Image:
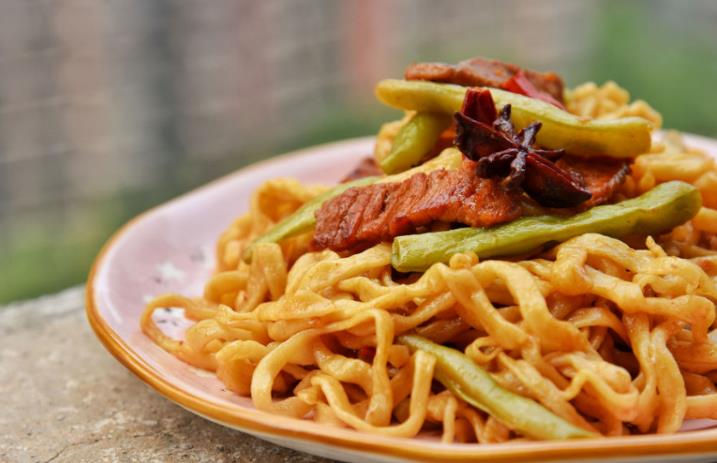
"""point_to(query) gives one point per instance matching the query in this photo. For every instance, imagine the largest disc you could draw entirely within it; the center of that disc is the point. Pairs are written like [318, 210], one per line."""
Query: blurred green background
[109, 108]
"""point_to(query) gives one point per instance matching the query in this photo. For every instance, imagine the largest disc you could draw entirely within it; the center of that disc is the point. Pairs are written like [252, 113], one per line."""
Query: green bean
[472, 384]
[660, 209]
[414, 140]
[619, 138]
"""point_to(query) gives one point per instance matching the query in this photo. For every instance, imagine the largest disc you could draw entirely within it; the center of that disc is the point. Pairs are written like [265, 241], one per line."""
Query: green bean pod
[660, 209]
[414, 141]
[618, 138]
[472, 384]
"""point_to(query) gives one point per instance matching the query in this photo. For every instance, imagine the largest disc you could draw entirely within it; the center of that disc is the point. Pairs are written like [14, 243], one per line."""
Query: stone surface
[63, 398]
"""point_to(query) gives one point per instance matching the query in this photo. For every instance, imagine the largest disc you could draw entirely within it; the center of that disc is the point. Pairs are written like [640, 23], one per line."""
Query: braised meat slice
[601, 177]
[367, 167]
[481, 72]
[364, 216]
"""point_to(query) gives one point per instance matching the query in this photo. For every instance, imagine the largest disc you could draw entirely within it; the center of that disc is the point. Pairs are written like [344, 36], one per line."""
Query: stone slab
[64, 398]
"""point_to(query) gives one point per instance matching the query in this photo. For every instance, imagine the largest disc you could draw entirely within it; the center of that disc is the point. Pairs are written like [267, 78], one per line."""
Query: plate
[170, 249]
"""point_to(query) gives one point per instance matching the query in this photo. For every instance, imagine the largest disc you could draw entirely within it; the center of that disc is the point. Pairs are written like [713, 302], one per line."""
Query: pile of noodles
[612, 337]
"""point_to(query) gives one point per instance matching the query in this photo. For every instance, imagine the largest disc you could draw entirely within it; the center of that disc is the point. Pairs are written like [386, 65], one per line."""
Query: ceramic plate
[170, 249]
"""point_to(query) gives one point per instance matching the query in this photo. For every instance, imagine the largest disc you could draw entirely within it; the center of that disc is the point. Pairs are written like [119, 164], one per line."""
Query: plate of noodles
[510, 271]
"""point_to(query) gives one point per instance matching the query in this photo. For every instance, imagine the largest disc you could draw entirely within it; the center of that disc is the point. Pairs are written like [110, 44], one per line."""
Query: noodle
[608, 101]
[610, 337]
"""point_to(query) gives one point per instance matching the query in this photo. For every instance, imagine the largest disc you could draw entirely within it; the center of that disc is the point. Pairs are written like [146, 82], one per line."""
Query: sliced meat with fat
[601, 176]
[367, 167]
[481, 72]
[364, 216]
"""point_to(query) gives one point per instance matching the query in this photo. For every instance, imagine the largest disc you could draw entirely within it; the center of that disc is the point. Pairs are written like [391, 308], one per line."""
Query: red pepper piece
[520, 84]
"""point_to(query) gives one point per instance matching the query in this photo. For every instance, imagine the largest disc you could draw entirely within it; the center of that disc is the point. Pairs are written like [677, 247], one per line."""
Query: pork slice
[374, 219]
[349, 226]
[330, 217]
[367, 167]
[491, 205]
[439, 194]
[481, 72]
[601, 176]
[404, 200]
[364, 216]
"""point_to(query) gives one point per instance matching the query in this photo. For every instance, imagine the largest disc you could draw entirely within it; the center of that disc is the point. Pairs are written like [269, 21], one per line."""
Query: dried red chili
[519, 83]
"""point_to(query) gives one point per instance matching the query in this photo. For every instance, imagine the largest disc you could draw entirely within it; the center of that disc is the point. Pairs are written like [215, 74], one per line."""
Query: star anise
[501, 152]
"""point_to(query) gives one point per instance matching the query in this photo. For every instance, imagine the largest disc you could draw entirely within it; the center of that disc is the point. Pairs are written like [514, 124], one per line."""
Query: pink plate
[170, 249]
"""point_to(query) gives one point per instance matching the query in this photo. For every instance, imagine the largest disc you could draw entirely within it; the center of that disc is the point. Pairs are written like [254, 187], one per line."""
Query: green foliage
[36, 261]
[669, 64]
